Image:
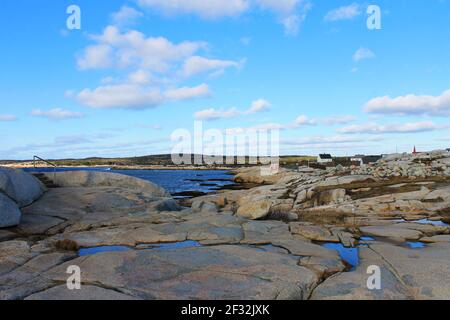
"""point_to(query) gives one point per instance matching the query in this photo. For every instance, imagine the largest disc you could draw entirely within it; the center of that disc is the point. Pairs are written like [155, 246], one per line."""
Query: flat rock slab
[219, 272]
[61, 293]
[391, 231]
[440, 238]
[353, 285]
[405, 274]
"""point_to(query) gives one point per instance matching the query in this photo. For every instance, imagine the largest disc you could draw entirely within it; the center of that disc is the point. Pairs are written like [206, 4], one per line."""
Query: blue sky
[138, 70]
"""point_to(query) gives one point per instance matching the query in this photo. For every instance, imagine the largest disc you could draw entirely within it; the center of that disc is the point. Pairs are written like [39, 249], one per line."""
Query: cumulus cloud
[259, 105]
[290, 13]
[133, 49]
[374, 128]
[305, 121]
[344, 13]
[96, 57]
[187, 93]
[423, 105]
[7, 117]
[211, 114]
[140, 77]
[126, 16]
[324, 140]
[334, 120]
[57, 114]
[211, 9]
[196, 65]
[215, 114]
[131, 96]
[156, 69]
[363, 54]
[124, 96]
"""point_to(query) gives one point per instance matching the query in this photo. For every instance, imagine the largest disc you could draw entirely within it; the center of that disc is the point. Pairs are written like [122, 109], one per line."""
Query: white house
[324, 158]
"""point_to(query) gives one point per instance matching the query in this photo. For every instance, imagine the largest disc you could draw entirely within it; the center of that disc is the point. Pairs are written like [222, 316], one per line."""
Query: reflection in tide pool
[95, 250]
[170, 246]
[416, 245]
[434, 223]
[349, 255]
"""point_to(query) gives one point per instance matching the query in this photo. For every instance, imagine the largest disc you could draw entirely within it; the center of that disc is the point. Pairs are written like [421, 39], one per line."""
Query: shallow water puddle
[416, 245]
[349, 255]
[95, 250]
[170, 246]
[366, 239]
[159, 246]
[434, 223]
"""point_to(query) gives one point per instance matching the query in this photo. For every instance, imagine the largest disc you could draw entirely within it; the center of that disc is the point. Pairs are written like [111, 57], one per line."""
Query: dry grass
[67, 245]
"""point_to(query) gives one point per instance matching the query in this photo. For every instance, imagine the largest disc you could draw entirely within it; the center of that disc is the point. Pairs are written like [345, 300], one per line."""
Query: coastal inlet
[179, 183]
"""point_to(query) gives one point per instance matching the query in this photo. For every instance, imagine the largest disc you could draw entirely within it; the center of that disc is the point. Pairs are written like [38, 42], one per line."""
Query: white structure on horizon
[324, 158]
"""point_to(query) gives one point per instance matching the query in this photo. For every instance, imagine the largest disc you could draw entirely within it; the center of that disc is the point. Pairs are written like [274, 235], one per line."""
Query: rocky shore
[301, 234]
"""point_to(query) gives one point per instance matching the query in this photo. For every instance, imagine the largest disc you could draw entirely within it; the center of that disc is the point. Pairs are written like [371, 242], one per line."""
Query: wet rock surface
[270, 242]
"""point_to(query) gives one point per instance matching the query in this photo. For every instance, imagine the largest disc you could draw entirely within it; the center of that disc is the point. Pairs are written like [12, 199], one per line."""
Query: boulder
[105, 179]
[332, 196]
[312, 232]
[20, 186]
[255, 210]
[9, 212]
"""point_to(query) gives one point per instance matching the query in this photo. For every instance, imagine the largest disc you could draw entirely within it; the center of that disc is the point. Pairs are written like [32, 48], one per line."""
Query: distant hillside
[166, 160]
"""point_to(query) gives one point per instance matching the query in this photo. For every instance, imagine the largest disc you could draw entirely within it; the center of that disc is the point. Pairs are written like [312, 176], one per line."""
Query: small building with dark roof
[324, 158]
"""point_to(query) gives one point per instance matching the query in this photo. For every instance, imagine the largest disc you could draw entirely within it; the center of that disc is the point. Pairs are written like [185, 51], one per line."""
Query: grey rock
[20, 186]
[9, 212]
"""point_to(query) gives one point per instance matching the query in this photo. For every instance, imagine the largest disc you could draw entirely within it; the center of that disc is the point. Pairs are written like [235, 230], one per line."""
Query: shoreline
[149, 167]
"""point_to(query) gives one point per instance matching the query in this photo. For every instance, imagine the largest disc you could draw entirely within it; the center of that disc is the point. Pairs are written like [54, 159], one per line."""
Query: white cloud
[122, 96]
[187, 93]
[132, 96]
[57, 114]
[195, 65]
[259, 105]
[212, 114]
[333, 120]
[134, 49]
[326, 140]
[126, 16]
[363, 54]
[156, 67]
[210, 9]
[139, 77]
[96, 57]
[7, 117]
[411, 104]
[290, 13]
[374, 128]
[344, 13]
[305, 121]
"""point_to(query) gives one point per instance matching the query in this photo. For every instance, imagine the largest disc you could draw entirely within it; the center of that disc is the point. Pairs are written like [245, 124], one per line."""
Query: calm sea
[174, 181]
